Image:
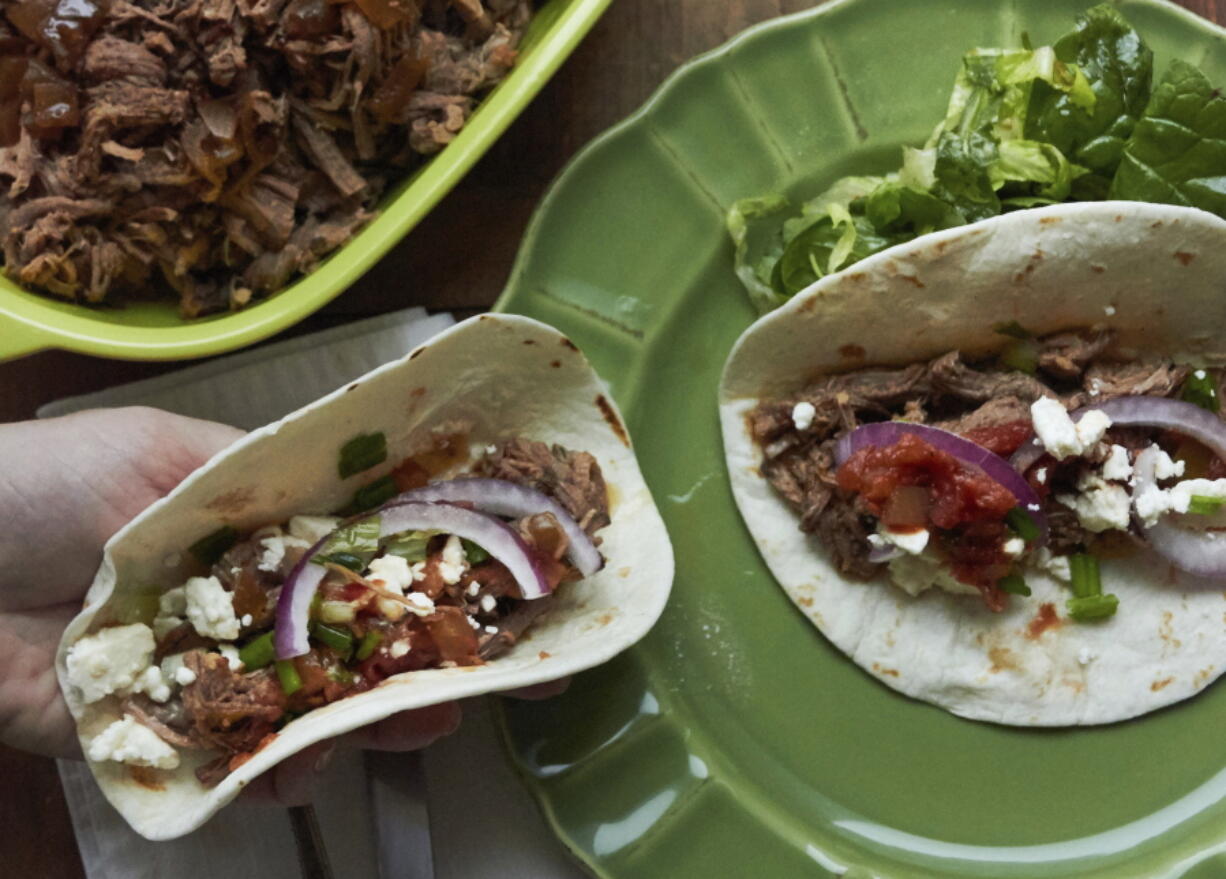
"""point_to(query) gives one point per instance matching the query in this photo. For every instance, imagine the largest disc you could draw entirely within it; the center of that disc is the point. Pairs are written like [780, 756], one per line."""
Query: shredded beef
[1149, 376]
[230, 710]
[247, 121]
[572, 478]
[971, 399]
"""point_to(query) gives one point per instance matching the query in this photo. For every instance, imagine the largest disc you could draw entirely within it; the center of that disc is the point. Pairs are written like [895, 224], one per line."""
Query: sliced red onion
[294, 604]
[886, 433]
[504, 498]
[1141, 411]
[501, 542]
[1198, 552]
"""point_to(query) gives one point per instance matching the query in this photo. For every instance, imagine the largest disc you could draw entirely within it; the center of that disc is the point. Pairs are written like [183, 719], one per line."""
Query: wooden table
[634, 47]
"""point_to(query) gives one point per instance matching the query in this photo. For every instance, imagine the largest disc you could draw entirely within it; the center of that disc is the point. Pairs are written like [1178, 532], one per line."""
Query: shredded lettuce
[1023, 127]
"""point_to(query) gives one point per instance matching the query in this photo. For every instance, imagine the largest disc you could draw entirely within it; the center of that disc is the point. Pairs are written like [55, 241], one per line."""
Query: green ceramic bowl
[155, 331]
[734, 741]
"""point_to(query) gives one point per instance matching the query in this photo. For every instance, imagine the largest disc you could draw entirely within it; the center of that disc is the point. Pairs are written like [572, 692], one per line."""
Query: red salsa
[912, 484]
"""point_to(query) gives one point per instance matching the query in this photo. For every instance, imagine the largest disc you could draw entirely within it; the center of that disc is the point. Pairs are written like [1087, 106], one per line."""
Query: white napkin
[415, 822]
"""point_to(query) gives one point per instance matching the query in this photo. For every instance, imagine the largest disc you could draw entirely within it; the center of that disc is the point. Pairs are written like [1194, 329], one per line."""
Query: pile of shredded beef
[214, 149]
[985, 402]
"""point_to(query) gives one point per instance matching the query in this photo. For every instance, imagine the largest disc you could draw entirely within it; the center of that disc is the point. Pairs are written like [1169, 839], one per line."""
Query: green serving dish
[155, 331]
[734, 740]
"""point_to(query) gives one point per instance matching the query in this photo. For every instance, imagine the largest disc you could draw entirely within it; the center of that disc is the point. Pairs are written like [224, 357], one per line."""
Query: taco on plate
[990, 464]
[466, 520]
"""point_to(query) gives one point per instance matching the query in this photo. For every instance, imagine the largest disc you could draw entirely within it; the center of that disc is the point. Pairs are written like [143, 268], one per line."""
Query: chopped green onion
[340, 640]
[287, 674]
[475, 554]
[1203, 505]
[1200, 388]
[370, 496]
[361, 453]
[258, 652]
[336, 612]
[1022, 524]
[1013, 330]
[1013, 584]
[1092, 607]
[409, 545]
[1086, 578]
[1022, 355]
[370, 643]
[208, 550]
[317, 603]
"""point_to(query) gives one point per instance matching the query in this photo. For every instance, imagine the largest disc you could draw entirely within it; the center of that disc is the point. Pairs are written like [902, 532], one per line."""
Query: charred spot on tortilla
[1184, 257]
[1045, 620]
[233, 502]
[610, 416]
[567, 343]
[417, 353]
[852, 351]
[556, 364]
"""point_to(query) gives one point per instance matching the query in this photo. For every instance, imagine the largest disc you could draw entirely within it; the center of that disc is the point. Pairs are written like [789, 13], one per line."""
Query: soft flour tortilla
[506, 376]
[1157, 274]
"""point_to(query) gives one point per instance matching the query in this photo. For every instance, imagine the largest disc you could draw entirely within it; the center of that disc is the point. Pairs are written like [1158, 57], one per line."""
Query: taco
[989, 464]
[466, 520]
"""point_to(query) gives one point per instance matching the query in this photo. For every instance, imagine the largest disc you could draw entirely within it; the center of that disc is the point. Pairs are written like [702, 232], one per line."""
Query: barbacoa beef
[965, 398]
[571, 478]
[211, 150]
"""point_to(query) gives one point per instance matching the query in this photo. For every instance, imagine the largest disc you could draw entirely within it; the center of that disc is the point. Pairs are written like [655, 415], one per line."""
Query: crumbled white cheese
[915, 573]
[1056, 565]
[488, 603]
[474, 587]
[1014, 547]
[1164, 467]
[453, 563]
[399, 648]
[246, 620]
[1100, 505]
[110, 660]
[151, 682]
[312, 529]
[163, 626]
[391, 572]
[173, 669]
[420, 603]
[419, 571]
[210, 609]
[913, 542]
[472, 622]
[1151, 504]
[1199, 374]
[230, 653]
[274, 547]
[491, 630]
[1183, 492]
[1085, 656]
[394, 574]
[1059, 435]
[127, 741]
[803, 414]
[1040, 475]
[1117, 467]
[1109, 310]
[1091, 427]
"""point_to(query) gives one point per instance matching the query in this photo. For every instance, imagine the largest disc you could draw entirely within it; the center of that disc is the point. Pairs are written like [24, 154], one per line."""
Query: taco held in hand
[467, 520]
[1005, 441]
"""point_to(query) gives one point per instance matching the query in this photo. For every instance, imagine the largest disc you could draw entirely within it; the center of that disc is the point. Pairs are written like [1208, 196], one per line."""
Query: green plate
[735, 741]
[155, 331]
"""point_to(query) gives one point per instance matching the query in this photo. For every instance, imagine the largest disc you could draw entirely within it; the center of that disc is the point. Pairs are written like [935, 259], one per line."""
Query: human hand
[66, 486]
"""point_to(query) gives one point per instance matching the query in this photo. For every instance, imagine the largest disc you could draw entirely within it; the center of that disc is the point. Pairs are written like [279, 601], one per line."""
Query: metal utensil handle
[312, 853]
